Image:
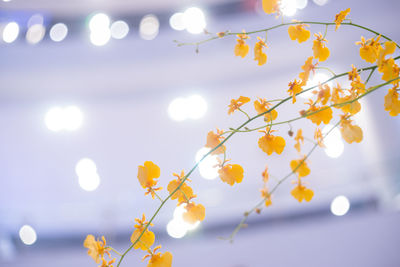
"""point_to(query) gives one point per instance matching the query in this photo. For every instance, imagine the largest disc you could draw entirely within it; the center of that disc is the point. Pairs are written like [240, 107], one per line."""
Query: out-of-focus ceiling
[78, 7]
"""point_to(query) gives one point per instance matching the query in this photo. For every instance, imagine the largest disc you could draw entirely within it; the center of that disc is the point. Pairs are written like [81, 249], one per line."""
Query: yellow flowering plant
[327, 103]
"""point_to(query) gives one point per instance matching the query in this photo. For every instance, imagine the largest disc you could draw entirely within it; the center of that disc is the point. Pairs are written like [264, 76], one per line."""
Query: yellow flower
[392, 102]
[299, 137]
[270, 143]
[241, 48]
[336, 94]
[183, 192]
[300, 167]
[300, 192]
[324, 94]
[324, 115]
[267, 196]
[357, 86]
[259, 55]
[340, 17]
[104, 263]
[265, 175]
[299, 33]
[390, 70]
[369, 49]
[194, 213]
[237, 103]
[353, 74]
[319, 114]
[307, 67]
[294, 89]
[350, 133]
[321, 52]
[96, 248]
[390, 47]
[231, 173]
[319, 137]
[159, 259]
[270, 6]
[148, 237]
[214, 140]
[353, 107]
[147, 174]
[262, 106]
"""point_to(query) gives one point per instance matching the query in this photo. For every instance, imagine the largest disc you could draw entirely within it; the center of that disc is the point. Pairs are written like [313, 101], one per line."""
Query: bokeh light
[334, 145]
[69, 118]
[58, 32]
[340, 205]
[53, 119]
[27, 235]
[73, 118]
[119, 29]
[10, 32]
[149, 27]
[88, 177]
[288, 7]
[321, 2]
[177, 109]
[193, 107]
[99, 22]
[177, 22]
[208, 167]
[177, 227]
[99, 26]
[194, 20]
[300, 4]
[89, 182]
[35, 33]
[34, 20]
[197, 107]
[100, 38]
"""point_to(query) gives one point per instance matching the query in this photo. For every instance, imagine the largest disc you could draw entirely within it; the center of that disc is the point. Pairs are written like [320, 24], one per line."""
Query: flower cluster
[372, 51]
[178, 189]
[326, 104]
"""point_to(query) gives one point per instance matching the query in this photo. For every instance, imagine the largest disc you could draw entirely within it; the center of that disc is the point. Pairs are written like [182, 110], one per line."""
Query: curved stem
[290, 23]
[326, 68]
[116, 252]
[245, 113]
[155, 193]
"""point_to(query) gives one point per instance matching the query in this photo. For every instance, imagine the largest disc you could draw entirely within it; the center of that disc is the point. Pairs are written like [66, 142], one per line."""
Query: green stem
[317, 23]
[370, 74]
[290, 23]
[155, 193]
[223, 162]
[326, 31]
[328, 69]
[119, 254]
[184, 195]
[245, 113]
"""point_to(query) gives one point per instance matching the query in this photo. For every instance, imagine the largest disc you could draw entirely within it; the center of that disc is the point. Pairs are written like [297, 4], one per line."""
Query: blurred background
[89, 90]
